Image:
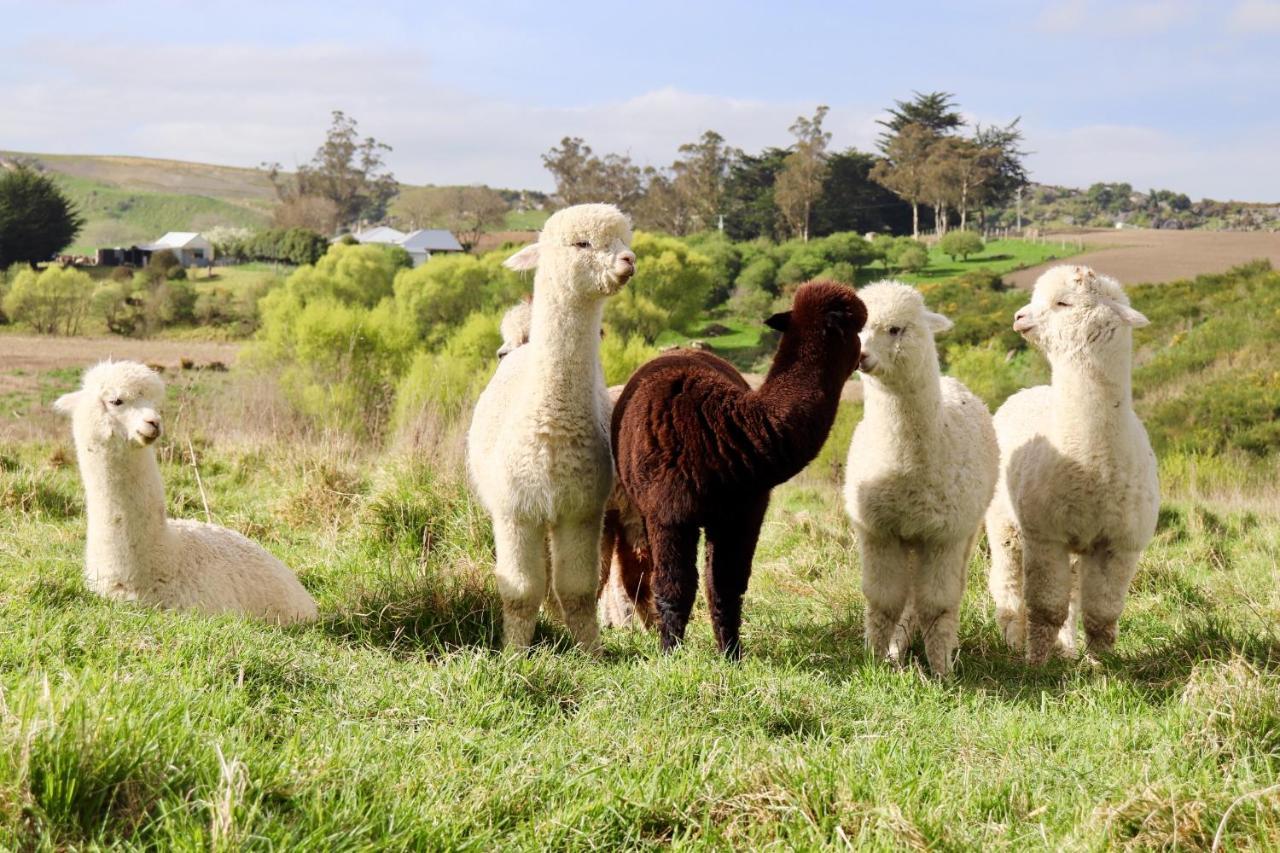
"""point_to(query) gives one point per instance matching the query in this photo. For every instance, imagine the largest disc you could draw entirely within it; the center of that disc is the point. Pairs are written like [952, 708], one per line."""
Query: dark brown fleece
[696, 448]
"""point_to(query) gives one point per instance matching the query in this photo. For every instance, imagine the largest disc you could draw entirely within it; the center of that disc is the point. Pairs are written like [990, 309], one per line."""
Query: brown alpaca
[695, 448]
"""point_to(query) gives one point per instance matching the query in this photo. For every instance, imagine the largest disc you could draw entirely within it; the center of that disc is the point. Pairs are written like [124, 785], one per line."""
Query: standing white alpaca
[1078, 496]
[538, 448]
[920, 473]
[135, 553]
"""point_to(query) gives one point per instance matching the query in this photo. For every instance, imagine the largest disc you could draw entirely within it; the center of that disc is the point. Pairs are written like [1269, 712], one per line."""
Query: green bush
[54, 301]
[960, 244]
[912, 259]
[669, 290]
[725, 261]
[621, 356]
[993, 373]
[761, 274]
[165, 264]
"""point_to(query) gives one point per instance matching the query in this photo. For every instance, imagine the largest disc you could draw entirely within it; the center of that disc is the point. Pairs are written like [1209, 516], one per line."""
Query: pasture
[395, 723]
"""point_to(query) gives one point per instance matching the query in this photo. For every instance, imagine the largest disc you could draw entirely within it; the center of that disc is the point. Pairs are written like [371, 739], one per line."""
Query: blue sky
[1179, 94]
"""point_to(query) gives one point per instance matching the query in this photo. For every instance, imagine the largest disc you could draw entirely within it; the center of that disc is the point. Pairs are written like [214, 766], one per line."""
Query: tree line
[925, 162]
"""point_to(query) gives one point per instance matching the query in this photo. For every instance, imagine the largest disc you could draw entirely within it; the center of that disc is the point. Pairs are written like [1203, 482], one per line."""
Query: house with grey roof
[420, 244]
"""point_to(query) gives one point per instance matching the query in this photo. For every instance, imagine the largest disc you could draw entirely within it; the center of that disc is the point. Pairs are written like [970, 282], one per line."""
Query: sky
[1181, 95]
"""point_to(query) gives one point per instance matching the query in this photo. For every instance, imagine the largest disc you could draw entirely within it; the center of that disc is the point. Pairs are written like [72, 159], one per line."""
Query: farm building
[420, 244]
[190, 248]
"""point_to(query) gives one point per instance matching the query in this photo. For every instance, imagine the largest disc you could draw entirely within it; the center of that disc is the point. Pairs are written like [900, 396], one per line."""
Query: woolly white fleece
[1078, 496]
[538, 448]
[134, 552]
[514, 327]
[920, 473]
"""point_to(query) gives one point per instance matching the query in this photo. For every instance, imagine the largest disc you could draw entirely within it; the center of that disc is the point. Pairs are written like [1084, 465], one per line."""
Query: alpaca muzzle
[867, 362]
[1022, 322]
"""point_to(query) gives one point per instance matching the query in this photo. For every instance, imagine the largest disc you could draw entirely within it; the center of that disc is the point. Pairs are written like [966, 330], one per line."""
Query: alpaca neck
[124, 499]
[801, 394]
[1092, 399]
[565, 337]
[909, 405]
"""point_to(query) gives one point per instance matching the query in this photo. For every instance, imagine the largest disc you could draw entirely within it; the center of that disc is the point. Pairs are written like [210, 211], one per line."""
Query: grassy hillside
[395, 722]
[147, 174]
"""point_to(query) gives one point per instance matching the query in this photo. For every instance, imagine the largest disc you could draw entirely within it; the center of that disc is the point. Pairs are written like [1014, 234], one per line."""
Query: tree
[852, 201]
[581, 177]
[36, 220]
[700, 178]
[905, 168]
[307, 211]
[957, 170]
[960, 243]
[54, 300]
[346, 170]
[748, 198]
[1008, 173]
[800, 183]
[935, 111]
[468, 212]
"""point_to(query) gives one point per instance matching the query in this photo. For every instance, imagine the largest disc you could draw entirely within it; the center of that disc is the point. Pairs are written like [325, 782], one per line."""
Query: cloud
[1255, 17]
[1152, 159]
[1116, 19]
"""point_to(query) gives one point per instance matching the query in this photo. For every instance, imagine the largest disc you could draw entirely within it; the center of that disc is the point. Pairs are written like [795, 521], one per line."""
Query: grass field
[999, 256]
[395, 723]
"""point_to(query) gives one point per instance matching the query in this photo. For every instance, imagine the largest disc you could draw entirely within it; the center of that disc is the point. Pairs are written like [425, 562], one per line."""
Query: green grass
[999, 256]
[395, 723]
[525, 220]
[743, 345]
[122, 217]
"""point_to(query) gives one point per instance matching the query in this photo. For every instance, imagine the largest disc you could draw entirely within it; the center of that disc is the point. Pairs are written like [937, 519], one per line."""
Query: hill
[1105, 205]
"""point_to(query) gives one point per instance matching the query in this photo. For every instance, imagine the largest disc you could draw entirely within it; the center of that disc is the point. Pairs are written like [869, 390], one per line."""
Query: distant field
[525, 220]
[1138, 256]
[999, 256]
[146, 174]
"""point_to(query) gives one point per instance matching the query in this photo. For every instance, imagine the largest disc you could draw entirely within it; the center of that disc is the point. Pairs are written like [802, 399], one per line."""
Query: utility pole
[720, 217]
[1019, 195]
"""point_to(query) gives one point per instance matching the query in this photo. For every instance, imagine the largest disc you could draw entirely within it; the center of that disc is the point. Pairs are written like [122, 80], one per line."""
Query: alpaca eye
[895, 330]
[1064, 304]
[117, 402]
[582, 244]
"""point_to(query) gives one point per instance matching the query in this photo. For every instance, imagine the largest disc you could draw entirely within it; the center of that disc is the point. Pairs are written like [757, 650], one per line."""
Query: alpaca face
[118, 403]
[591, 241]
[1075, 310]
[899, 331]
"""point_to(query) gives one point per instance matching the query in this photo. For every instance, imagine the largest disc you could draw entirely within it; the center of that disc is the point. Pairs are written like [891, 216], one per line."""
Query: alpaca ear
[1130, 316]
[66, 404]
[937, 323]
[525, 259]
[779, 321]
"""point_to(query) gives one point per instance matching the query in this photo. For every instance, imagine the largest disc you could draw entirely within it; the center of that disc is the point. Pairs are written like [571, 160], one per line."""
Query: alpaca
[135, 553]
[1077, 498]
[514, 327]
[538, 447]
[696, 448]
[921, 471]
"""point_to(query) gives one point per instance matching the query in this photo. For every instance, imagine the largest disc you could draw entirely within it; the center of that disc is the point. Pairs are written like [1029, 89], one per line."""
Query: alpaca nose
[867, 362]
[154, 424]
[1022, 321]
[629, 259]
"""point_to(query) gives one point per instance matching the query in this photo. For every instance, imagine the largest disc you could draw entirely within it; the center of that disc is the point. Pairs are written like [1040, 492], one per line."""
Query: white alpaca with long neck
[538, 448]
[133, 551]
[1078, 496]
[920, 474]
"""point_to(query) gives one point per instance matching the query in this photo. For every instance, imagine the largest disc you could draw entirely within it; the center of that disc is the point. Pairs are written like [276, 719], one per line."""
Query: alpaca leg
[575, 554]
[900, 645]
[522, 577]
[614, 608]
[1066, 645]
[1005, 579]
[731, 546]
[1104, 582]
[886, 579]
[675, 578]
[1047, 567]
[939, 587]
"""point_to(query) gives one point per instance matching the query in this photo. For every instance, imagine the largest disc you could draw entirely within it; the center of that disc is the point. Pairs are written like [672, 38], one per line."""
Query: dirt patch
[1139, 256]
[24, 357]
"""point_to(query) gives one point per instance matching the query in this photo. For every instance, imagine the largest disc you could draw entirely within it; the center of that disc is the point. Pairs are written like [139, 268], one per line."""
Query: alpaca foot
[1042, 640]
[517, 630]
[881, 628]
[580, 618]
[1012, 628]
[1101, 637]
[940, 652]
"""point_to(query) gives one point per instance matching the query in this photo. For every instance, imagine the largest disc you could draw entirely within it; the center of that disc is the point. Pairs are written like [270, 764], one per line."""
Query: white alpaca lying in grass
[135, 553]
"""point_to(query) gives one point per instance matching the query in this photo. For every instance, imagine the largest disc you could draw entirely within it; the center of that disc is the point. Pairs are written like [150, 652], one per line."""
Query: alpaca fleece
[538, 447]
[133, 552]
[1077, 498]
[697, 449]
[920, 474]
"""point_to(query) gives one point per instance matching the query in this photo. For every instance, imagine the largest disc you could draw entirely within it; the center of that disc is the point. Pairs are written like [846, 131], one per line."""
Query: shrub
[669, 290]
[54, 301]
[912, 259]
[960, 243]
[750, 303]
[621, 356]
[725, 261]
[759, 275]
[165, 264]
[994, 374]
[842, 272]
